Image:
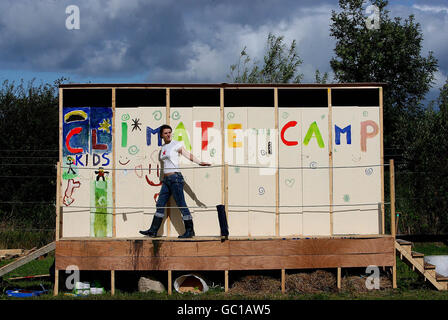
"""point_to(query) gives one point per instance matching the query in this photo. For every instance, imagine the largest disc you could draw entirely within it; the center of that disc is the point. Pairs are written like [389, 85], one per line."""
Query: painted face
[166, 135]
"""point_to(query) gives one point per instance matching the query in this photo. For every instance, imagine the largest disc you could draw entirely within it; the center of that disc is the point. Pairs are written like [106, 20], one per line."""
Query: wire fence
[140, 209]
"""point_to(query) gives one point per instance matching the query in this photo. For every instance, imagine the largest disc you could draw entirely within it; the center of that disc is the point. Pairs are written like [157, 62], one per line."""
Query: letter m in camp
[149, 132]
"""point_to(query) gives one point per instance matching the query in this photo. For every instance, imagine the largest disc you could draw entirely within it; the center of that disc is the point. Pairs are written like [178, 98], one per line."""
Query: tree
[279, 64]
[427, 180]
[391, 54]
[29, 143]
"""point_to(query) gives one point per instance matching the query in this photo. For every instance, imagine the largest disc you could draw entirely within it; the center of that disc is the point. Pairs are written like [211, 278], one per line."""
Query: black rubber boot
[222, 218]
[189, 232]
[155, 225]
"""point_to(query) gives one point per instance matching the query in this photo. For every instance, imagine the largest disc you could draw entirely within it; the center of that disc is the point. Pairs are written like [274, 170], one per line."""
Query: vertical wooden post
[392, 219]
[112, 282]
[383, 228]
[170, 282]
[223, 169]
[339, 278]
[226, 188]
[168, 210]
[56, 282]
[330, 157]
[283, 281]
[114, 156]
[392, 197]
[59, 212]
[224, 165]
[277, 211]
[58, 189]
[58, 201]
[226, 280]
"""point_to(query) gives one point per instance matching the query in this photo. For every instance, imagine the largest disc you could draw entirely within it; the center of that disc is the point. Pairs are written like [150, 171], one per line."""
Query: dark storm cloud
[113, 36]
[180, 41]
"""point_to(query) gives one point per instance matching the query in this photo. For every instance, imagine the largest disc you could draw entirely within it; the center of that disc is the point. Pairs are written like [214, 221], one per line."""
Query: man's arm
[192, 158]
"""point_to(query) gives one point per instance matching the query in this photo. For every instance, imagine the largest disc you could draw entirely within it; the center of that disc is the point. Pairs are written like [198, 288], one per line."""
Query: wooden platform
[233, 254]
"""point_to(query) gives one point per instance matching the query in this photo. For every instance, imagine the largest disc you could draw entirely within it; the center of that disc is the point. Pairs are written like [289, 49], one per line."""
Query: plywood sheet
[235, 124]
[261, 151]
[315, 160]
[87, 177]
[290, 180]
[207, 192]
[357, 181]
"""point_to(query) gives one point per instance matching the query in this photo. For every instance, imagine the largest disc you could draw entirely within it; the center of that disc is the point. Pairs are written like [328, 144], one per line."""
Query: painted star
[105, 125]
[136, 124]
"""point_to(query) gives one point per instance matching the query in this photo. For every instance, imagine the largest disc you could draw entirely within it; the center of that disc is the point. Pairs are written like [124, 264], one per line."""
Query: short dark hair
[165, 126]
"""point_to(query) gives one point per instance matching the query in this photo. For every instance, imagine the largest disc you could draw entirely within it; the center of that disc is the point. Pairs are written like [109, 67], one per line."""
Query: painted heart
[290, 182]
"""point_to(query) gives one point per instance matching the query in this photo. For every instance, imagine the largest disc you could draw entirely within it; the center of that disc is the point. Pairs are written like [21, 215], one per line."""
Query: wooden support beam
[394, 276]
[168, 118]
[59, 174]
[226, 189]
[277, 195]
[56, 282]
[339, 278]
[226, 280]
[112, 282]
[58, 201]
[170, 282]
[392, 218]
[24, 260]
[383, 223]
[223, 169]
[114, 175]
[330, 157]
[392, 197]
[283, 281]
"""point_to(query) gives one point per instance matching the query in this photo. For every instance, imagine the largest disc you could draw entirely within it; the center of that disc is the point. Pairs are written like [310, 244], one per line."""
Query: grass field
[410, 285]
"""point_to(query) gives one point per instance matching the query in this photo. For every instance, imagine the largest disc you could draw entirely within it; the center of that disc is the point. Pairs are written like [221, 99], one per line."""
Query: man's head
[165, 133]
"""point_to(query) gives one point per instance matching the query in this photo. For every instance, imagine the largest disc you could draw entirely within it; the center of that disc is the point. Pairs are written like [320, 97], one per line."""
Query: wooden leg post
[112, 282]
[226, 280]
[170, 282]
[392, 219]
[56, 282]
[283, 281]
[339, 279]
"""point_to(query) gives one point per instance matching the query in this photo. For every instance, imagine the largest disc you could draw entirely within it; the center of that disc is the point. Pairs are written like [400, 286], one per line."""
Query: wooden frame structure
[238, 253]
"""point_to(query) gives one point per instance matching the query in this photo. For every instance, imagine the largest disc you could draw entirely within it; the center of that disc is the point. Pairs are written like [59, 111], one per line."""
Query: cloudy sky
[179, 41]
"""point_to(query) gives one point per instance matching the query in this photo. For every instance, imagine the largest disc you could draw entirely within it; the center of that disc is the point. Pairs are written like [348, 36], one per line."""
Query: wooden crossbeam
[24, 260]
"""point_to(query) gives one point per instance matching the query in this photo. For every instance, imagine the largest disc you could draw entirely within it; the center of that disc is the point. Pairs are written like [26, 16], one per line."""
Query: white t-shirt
[170, 156]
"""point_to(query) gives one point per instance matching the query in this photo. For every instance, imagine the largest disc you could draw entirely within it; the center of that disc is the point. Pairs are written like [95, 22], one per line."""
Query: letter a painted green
[314, 129]
[181, 134]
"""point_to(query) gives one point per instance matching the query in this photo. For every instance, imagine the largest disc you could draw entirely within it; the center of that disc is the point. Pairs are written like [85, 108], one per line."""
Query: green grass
[410, 286]
[433, 248]
[20, 239]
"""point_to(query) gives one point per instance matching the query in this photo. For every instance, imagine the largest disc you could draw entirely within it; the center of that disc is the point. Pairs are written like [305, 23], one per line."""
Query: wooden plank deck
[150, 254]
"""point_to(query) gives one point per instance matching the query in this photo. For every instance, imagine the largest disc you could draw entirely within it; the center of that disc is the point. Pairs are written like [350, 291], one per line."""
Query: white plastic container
[441, 263]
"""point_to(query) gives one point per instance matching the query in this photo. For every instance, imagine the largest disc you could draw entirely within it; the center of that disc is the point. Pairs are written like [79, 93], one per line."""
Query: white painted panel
[207, 191]
[315, 160]
[357, 190]
[261, 150]
[290, 180]
[238, 177]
